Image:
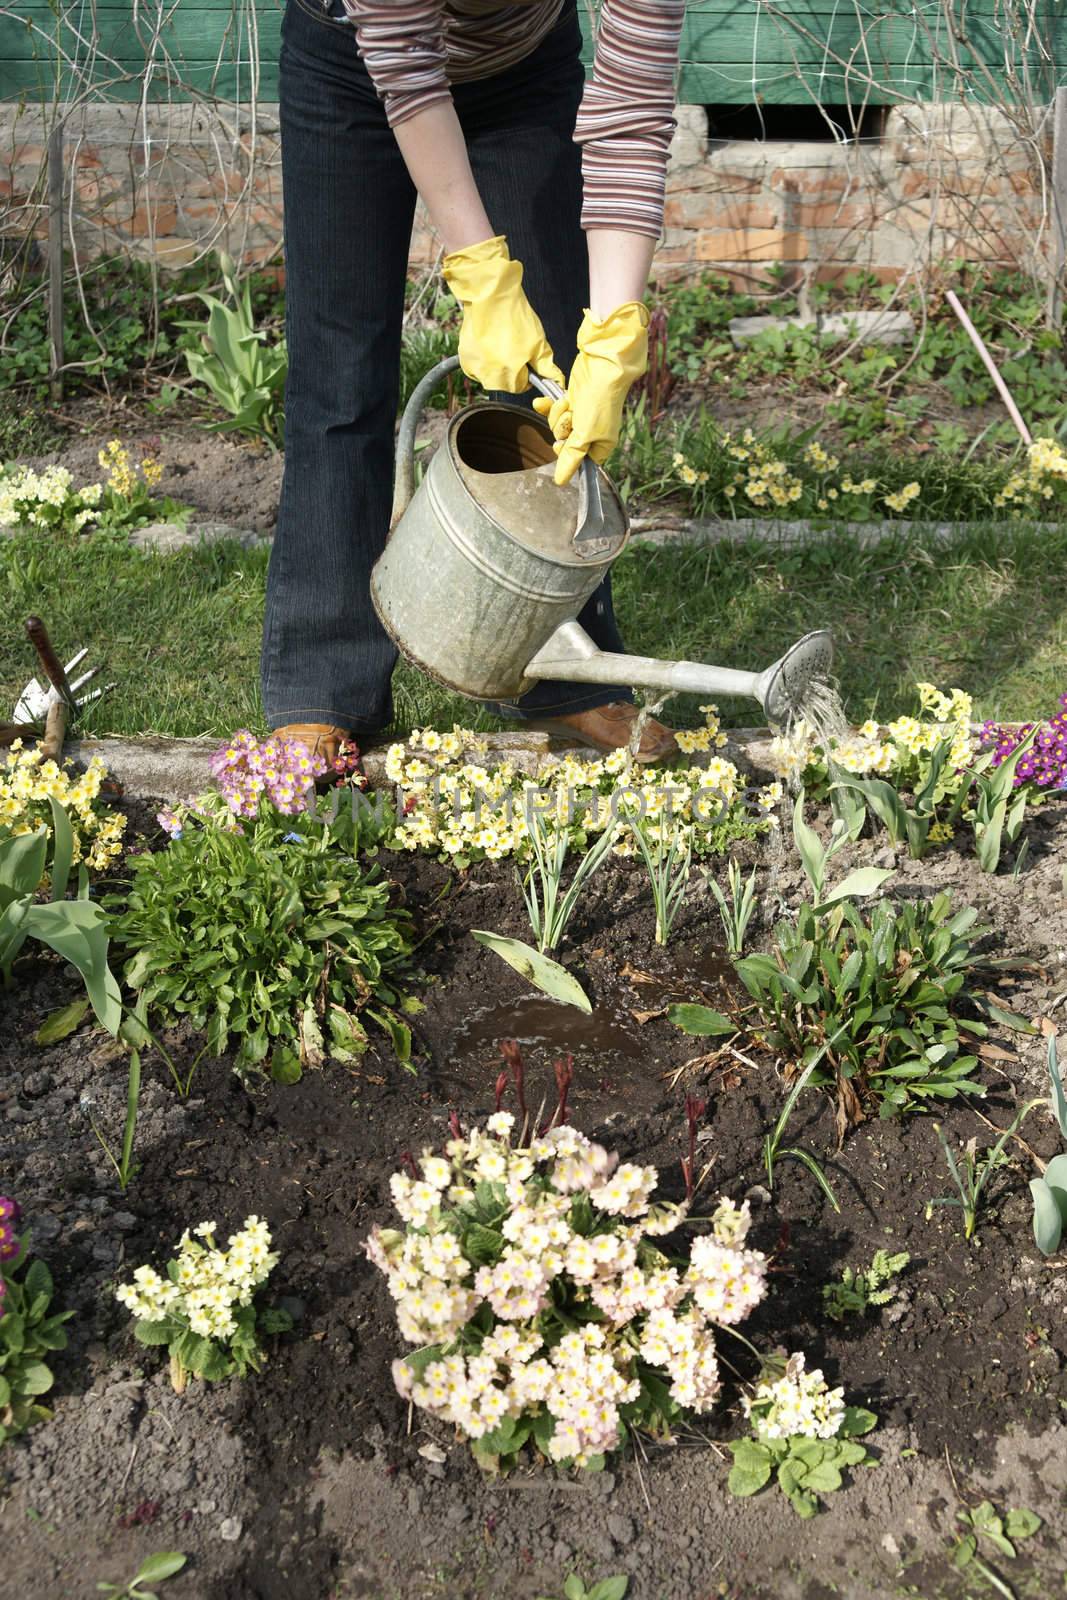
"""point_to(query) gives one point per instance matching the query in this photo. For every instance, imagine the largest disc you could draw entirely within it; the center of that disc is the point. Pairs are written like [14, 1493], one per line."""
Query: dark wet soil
[311, 1480]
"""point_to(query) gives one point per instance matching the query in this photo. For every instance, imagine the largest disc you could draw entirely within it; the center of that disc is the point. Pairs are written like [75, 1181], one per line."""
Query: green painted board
[208, 46]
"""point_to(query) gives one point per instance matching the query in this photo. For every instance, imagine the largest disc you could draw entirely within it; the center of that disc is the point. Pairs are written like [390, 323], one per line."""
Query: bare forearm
[619, 264]
[435, 154]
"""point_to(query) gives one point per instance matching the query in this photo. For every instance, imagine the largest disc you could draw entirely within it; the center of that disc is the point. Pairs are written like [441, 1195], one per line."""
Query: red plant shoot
[564, 1069]
[509, 1049]
[408, 1160]
[501, 1090]
[454, 1125]
[694, 1110]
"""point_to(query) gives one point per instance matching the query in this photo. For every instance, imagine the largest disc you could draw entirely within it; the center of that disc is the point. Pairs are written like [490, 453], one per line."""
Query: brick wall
[943, 181]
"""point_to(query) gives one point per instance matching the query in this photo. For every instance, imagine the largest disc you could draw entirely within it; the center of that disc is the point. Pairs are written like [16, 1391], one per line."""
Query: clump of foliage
[983, 1521]
[854, 1293]
[879, 999]
[243, 370]
[269, 933]
[28, 1328]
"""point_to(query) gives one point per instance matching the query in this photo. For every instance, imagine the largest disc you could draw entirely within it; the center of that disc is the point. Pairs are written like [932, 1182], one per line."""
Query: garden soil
[312, 1480]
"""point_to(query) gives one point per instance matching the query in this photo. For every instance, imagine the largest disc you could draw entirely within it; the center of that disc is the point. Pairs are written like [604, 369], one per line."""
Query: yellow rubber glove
[501, 334]
[612, 355]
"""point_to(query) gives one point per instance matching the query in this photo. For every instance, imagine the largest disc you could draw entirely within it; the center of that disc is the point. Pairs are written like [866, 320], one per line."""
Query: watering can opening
[498, 439]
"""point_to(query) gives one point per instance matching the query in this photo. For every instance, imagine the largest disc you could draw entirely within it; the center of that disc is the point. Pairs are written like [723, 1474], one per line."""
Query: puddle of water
[611, 1059]
[535, 1020]
[617, 1064]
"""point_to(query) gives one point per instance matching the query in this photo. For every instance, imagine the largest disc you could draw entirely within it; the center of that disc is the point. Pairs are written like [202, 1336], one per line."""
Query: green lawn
[180, 634]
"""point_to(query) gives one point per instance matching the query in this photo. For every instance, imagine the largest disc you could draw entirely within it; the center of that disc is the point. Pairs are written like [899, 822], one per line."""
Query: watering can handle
[404, 485]
[590, 506]
[589, 534]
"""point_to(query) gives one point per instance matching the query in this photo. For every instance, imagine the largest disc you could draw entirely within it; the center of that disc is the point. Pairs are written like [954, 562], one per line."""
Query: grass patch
[25, 430]
[180, 634]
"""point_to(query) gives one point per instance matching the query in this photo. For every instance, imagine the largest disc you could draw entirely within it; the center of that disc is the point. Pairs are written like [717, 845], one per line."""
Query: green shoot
[735, 911]
[667, 859]
[855, 1292]
[971, 1173]
[548, 908]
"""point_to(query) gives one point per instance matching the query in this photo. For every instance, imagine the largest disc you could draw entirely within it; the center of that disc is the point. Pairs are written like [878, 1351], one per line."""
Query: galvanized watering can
[489, 562]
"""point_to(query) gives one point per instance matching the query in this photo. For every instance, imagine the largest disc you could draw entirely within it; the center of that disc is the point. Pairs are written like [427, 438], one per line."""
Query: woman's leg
[520, 134]
[348, 211]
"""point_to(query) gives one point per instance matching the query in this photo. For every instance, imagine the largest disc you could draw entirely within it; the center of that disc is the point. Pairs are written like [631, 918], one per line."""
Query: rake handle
[50, 662]
[55, 727]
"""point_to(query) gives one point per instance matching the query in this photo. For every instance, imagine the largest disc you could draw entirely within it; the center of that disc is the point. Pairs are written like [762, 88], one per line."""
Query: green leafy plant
[28, 1331]
[74, 929]
[772, 1153]
[803, 1436]
[540, 970]
[153, 1569]
[998, 808]
[855, 1292]
[204, 1310]
[1002, 1532]
[613, 1588]
[904, 824]
[971, 1172]
[667, 852]
[736, 909]
[815, 858]
[881, 995]
[1050, 1190]
[276, 940]
[243, 370]
[548, 906]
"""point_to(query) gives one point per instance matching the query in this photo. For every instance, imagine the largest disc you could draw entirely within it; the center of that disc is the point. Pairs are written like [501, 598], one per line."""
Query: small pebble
[230, 1529]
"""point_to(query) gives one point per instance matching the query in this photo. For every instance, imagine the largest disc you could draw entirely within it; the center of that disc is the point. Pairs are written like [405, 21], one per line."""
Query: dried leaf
[635, 975]
[641, 1017]
[849, 1112]
[432, 1452]
[993, 1052]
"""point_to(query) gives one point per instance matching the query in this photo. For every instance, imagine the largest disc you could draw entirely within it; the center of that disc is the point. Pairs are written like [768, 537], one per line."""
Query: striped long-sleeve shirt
[415, 49]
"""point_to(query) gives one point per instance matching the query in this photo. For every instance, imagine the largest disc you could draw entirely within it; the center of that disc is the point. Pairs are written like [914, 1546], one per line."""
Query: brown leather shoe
[611, 727]
[321, 741]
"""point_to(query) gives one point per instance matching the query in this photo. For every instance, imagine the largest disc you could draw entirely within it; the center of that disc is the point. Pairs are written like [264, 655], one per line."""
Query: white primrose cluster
[545, 1313]
[204, 1283]
[455, 804]
[797, 1403]
[45, 499]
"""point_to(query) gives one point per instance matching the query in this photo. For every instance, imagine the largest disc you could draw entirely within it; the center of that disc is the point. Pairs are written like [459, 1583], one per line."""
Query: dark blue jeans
[349, 205]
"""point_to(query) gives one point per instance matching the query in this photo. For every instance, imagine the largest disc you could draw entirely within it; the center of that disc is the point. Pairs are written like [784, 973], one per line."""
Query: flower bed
[311, 1470]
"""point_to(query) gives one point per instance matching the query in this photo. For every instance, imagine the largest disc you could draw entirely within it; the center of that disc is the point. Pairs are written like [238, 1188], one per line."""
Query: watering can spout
[781, 688]
[404, 480]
